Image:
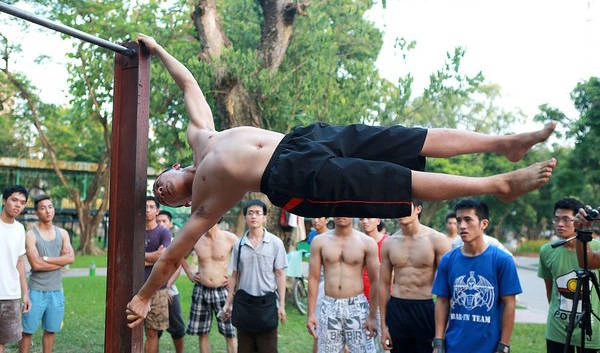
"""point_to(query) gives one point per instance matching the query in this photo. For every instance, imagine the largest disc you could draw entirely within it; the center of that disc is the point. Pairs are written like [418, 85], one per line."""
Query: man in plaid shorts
[210, 289]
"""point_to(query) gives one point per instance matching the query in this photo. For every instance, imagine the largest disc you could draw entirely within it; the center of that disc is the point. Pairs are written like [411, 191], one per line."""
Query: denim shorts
[47, 307]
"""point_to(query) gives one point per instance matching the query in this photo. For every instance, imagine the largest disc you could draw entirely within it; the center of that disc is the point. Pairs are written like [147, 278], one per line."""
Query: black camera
[592, 214]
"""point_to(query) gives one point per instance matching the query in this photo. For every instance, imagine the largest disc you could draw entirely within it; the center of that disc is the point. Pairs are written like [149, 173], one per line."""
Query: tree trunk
[235, 104]
[277, 30]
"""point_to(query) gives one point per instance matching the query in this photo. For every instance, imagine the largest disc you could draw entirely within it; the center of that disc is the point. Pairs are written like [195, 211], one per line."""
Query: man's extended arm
[196, 226]
[198, 110]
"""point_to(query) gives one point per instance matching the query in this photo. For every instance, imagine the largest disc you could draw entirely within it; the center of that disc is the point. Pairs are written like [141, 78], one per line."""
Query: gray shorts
[10, 321]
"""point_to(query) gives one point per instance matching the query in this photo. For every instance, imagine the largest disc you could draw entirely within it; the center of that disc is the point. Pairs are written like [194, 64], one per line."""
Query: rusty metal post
[128, 175]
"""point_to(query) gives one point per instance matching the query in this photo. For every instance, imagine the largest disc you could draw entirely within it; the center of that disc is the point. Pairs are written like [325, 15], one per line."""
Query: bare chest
[212, 250]
[347, 255]
[412, 254]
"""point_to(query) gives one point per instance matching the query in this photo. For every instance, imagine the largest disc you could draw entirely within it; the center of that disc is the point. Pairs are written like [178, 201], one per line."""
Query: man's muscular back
[343, 259]
[415, 259]
[213, 253]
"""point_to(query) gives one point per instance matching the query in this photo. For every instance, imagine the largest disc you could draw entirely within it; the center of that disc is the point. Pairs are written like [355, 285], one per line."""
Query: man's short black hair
[39, 198]
[166, 213]
[568, 203]
[255, 203]
[481, 209]
[450, 215]
[12, 189]
[152, 198]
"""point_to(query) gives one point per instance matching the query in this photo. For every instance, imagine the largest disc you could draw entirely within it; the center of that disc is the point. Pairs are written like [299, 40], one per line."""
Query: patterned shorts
[10, 321]
[158, 316]
[342, 322]
[205, 301]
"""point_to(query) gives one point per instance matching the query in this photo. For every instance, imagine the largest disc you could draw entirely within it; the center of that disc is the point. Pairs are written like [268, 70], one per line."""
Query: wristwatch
[503, 348]
[45, 258]
[438, 345]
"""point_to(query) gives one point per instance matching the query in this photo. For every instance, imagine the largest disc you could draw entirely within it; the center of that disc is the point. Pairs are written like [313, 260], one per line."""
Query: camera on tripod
[592, 214]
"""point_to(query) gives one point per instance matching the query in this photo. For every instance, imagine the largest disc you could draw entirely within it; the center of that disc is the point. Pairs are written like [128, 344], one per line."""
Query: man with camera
[584, 221]
[558, 267]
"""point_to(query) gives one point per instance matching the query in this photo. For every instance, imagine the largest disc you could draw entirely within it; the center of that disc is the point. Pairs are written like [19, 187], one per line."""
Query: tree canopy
[277, 64]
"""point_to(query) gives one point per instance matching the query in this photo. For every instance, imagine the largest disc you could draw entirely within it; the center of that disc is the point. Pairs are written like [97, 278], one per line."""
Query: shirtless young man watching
[412, 256]
[230, 163]
[344, 312]
[210, 288]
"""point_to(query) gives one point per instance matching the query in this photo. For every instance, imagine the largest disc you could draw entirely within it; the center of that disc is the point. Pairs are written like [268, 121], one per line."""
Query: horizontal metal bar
[15, 11]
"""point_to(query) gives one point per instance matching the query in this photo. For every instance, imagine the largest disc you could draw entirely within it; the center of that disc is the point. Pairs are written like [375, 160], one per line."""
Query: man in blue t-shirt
[476, 286]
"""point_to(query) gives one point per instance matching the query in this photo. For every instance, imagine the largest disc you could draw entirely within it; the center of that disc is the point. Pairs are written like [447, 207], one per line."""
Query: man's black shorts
[345, 171]
[411, 324]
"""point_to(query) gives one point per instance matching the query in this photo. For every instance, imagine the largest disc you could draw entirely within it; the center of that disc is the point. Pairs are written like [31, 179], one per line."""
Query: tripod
[582, 293]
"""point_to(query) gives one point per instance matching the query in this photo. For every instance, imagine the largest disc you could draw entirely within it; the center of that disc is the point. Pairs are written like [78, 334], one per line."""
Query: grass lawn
[84, 324]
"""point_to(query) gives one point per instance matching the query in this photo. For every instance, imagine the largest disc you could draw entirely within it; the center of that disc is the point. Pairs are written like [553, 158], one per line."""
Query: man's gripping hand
[149, 42]
[137, 309]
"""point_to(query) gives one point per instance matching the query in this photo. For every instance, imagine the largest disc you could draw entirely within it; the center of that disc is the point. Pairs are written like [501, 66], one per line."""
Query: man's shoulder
[163, 230]
[15, 225]
[272, 237]
[595, 245]
[430, 232]
[545, 249]
[491, 240]
[225, 234]
[501, 254]
[435, 236]
[61, 230]
[450, 256]
[159, 231]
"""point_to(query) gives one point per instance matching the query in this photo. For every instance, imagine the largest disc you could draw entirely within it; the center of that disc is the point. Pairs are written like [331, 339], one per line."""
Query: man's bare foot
[519, 144]
[524, 180]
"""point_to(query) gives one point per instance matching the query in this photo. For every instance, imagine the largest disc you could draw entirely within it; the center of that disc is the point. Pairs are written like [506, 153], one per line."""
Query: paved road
[534, 293]
[83, 272]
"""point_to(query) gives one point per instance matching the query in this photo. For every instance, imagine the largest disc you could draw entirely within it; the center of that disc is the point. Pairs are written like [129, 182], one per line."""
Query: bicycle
[298, 269]
[300, 294]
